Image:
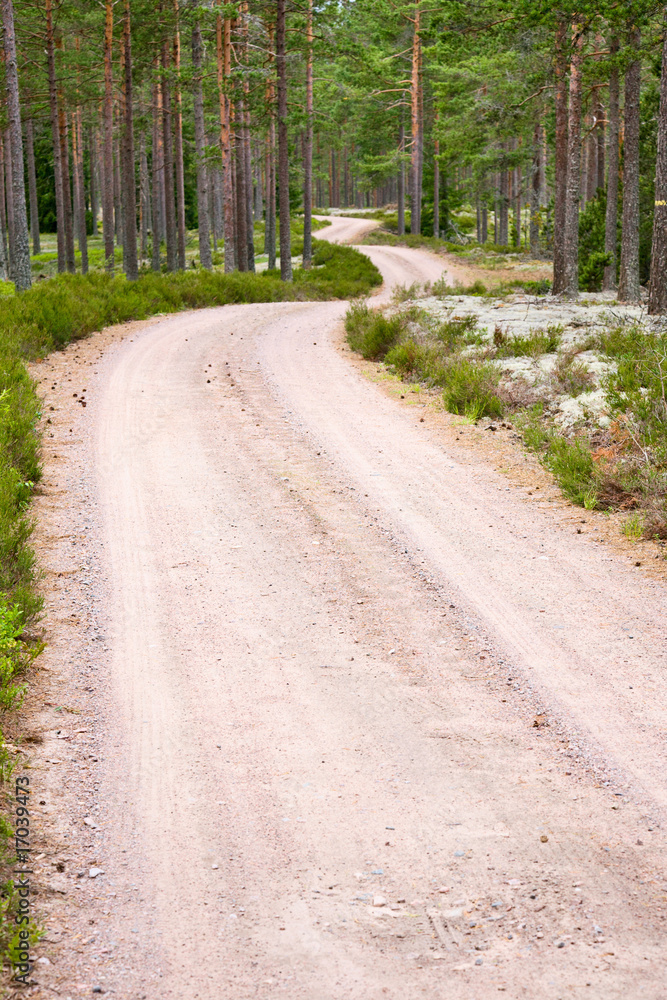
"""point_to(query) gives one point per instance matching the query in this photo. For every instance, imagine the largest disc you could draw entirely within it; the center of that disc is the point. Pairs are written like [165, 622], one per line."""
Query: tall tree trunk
[32, 186]
[129, 192]
[94, 176]
[3, 211]
[55, 133]
[503, 206]
[79, 189]
[561, 97]
[157, 170]
[168, 153]
[628, 283]
[572, 192]
[224, 70]
[517, 206]
[7, 139]
[535, 185]
[204, 227]
[178, 147]
[66, 182]
[146, 222]
[308, 147]
[592, 160]
[400, 181]
[107, 190]
[241, 207]
[283, 147]
[436, 191]
[415, 201]
[611, 218]
[657, 295]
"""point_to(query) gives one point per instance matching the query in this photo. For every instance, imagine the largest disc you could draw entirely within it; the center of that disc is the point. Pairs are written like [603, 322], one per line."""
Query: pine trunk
[535, 185]
[224, 70]
[241, 210]
[572, 191]
[32, 186]
[156, 199]
[628, 282]
[79, 189]
[283, 147]
[66, 184]
[179, 180]
[107, 190]
[400, 182]
[415, 200]
[503, 208]
[129, 180]
[145, 214]
[7, 140]
[436, 191]
[247, 177]
[3, 213]
[94, 177]
[657, 295]
[204, 226]
[308, 147]
[611, 218]
[561, 159]
[168, 154]
[55, 133]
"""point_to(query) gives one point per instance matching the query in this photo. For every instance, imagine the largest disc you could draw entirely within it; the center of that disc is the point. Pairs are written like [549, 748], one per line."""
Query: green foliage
[536, 343]
[592, 256]
[572, 465]
[369, 332]
[471, 388]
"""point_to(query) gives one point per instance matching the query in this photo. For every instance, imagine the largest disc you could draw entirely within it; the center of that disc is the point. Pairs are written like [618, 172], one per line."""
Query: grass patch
[536, 343]
[471, 388]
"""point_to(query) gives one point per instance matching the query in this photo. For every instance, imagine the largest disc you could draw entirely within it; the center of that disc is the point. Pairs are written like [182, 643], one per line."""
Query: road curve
[314, 607]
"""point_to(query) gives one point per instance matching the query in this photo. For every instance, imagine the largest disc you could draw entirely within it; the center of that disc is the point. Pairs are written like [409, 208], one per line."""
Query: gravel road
[372, 726]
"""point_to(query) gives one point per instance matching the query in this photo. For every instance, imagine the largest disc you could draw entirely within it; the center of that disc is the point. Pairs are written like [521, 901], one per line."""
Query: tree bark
[55, 133]
[168, 154]
[308, 147]
[503, 208]
[241, 199]
[283, 147]
[79, 191]
[145, 222]
[129, 191]
[204, 227]
[9, 201]
[178, 148]
[3, 212]
[611, 218]
[66, 183]
[224, 70]
[107, 190]
[561, 95]
[415, 201]
[657, 295]
[94, 176]
[157, 171]
[32, 186]
[400, 182]
[436, 191]
[535, 185]
[628, 283]
[572, 190]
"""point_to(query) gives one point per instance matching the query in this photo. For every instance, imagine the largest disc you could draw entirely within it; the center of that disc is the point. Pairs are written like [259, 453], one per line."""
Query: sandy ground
[330, 707]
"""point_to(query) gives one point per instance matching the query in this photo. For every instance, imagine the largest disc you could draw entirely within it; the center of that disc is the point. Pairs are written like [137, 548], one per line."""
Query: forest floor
[340, 698]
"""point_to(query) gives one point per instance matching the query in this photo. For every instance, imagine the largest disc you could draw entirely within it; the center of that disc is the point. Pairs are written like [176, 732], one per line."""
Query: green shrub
[536, 343]
[572, 465]
[471, 385]
[404, 357]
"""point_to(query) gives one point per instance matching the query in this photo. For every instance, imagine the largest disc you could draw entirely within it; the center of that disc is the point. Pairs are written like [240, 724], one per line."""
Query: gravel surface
[329, 708]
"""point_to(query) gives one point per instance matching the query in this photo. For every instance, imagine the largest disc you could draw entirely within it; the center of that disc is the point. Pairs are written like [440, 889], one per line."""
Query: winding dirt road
[328, 638]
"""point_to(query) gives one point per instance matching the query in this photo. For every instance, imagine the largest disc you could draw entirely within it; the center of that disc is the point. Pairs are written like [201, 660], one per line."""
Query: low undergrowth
[619, 463]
